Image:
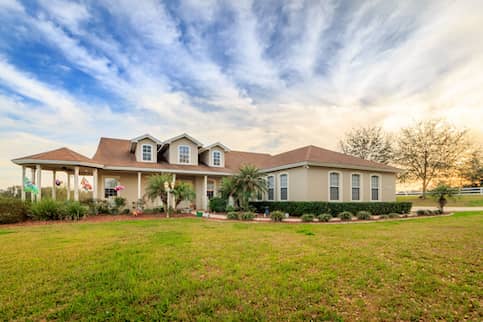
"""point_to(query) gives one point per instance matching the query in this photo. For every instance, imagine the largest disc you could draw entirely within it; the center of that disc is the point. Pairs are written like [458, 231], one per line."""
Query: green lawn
[460, 201]
[193, 269]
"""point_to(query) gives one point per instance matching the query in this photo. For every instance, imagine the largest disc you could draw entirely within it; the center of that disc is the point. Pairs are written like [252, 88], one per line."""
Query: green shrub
[307, 217]
[363, 215]
[437, 212]
[424, 212]
[383, 217]
[233, 215]
[393, 215]
[74, 210]
[217, 204]
[325, 217]
[13, 210]
[247, 215]
[345, 215]
[229, 208]
[298, 208]
[48, 209]
[277, 215]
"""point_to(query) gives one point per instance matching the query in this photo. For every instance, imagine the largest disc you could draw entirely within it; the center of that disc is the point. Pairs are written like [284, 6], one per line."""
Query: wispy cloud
[267, 75]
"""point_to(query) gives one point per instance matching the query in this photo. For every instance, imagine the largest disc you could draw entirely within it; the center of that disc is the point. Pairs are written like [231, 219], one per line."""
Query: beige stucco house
[309, 173]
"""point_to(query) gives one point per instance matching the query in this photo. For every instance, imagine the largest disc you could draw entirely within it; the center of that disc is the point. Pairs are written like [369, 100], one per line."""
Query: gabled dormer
[145, 148]
[182, 149]
[214, 155]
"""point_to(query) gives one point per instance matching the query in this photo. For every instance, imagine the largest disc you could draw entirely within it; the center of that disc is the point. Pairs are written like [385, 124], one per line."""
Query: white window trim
[361, 187]
[280, 187]
[274, 188]
[118, 178]
[341, 179]
[213, 158]
[379, 184]
[179, 154]
[142, 153]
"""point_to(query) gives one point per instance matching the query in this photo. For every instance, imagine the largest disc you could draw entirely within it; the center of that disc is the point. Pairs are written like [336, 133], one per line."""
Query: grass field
[193, 269]
[460, 201]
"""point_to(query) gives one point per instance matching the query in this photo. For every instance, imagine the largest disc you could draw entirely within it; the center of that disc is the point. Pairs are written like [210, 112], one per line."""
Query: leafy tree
[369, 143]
[156, 187]
[183, 191]
[429, 150]
[441, 194]
[472, 168]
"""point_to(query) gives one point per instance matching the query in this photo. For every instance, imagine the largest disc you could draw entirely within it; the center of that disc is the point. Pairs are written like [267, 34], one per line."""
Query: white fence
[463, 191]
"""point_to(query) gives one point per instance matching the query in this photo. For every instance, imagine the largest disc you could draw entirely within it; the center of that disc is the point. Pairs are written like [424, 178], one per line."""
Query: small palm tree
[441, 194]
[156, 186]
[228, 188]
[248, 183]
[183, 191]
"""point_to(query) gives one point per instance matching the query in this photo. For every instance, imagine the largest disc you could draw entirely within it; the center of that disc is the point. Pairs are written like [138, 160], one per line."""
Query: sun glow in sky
[262, 76]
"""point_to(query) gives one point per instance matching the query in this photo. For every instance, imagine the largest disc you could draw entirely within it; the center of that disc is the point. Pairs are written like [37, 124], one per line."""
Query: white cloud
[265, 76]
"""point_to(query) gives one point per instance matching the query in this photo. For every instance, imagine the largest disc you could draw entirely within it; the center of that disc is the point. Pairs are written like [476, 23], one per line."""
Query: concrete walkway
[450, 209]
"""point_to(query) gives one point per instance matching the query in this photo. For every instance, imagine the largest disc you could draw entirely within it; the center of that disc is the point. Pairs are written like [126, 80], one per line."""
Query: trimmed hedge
[13, 210]
[298, 208]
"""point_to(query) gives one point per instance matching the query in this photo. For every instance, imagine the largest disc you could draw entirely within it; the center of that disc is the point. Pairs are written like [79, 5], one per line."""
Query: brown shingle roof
[62, 154]
[115, 153]
[315, 154]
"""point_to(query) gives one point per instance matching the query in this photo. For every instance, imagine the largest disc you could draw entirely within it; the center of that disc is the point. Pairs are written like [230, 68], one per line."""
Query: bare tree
[471, 168]
[369, 143]
[429, 150]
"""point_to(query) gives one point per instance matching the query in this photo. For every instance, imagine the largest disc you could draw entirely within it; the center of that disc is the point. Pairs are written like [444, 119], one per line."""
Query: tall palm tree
[183, 191]
[248, 183]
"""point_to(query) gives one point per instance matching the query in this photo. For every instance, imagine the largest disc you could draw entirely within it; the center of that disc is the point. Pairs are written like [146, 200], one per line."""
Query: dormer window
[147, 152]
[184, 154]
[216, 158]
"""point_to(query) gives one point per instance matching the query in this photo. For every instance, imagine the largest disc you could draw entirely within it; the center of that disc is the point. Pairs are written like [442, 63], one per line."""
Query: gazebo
[59, 160]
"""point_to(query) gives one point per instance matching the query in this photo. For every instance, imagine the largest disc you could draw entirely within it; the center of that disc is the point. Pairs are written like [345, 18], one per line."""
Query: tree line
[425, 152]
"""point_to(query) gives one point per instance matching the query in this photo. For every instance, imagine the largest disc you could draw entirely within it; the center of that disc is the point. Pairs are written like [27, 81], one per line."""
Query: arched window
[334, 186]
[375, 187]
[184, 154]
[356, 187]
[271, 188]
[284, 186]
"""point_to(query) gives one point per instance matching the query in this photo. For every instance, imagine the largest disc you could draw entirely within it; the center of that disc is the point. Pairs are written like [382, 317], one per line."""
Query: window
[210, 189]
[110, 187]
[334, 186]
[184, 154]
[271, 187]
[283, 187]
[147, 152]
[375, 187]
[356, 187]
[216, 158]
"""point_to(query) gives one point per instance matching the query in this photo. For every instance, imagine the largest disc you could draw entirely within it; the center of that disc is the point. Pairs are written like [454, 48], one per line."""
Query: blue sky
[256, 75]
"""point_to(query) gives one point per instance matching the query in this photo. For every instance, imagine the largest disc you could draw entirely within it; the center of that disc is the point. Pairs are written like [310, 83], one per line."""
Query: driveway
[450, 209]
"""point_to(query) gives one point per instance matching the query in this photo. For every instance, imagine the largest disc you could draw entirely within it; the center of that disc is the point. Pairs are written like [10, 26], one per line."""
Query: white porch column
[76, 183]
[68, 186]
[22, 187]
[173, 201]
[39, 182]
[34, 176]
[139, 185]
[54, 187]
[95, 194]
[205, 191]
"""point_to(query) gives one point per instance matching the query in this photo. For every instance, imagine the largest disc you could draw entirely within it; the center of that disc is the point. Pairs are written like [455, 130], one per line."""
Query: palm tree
[441, 194]
[156, 186]
[247, 184]
[228, 188]
[183, 191]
